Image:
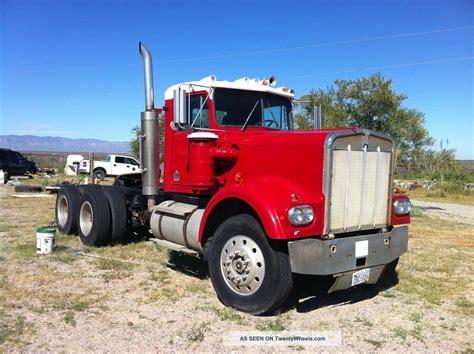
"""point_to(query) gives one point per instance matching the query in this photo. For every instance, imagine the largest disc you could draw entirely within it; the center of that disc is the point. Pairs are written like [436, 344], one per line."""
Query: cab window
[131, 161]
[199, 111]
[275, 113]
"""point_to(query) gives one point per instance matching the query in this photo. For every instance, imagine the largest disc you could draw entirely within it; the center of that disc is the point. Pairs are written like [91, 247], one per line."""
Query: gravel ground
[74, 303]
[447, 211]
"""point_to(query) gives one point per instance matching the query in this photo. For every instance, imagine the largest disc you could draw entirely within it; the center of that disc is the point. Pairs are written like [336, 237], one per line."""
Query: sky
[72, 68]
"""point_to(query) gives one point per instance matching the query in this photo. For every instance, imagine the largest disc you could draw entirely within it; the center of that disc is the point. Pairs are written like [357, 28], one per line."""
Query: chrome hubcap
[86, 218]
[63, 210]
[242, 265]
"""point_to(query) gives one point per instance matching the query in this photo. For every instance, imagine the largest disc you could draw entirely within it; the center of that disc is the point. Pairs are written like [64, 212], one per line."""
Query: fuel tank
[178, 223]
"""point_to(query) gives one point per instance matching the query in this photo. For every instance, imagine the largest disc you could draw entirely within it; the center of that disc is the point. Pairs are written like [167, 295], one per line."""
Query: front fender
[271, 198]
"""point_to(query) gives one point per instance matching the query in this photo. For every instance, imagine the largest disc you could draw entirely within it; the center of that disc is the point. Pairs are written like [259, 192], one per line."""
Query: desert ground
[140, 297]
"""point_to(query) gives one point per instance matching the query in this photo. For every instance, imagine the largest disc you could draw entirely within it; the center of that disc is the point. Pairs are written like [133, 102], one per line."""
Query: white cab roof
[241, 84]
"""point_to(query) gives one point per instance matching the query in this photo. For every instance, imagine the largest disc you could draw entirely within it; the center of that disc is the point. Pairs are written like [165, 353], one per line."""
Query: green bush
[459, 176]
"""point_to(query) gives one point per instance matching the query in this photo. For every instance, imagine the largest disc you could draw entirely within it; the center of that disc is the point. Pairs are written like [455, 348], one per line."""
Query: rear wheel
[118, 213]
[82, 188]
[67, 205]
[246, 271]
[94, 218]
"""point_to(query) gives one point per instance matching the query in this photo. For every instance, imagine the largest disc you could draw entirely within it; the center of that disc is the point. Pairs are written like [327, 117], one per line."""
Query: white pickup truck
[114, 165]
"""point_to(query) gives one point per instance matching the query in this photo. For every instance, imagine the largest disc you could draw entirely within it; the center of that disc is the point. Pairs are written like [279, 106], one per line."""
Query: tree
[370, 103]
[135, 142]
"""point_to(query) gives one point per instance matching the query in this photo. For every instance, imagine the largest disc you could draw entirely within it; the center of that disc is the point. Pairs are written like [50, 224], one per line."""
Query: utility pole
[91, 168]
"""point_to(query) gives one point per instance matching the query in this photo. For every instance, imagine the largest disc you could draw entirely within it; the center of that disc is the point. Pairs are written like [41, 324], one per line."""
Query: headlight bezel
[402, 207]
[301, 215]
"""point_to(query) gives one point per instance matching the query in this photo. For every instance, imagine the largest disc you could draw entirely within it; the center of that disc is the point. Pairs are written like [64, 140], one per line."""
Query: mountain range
[59, 144]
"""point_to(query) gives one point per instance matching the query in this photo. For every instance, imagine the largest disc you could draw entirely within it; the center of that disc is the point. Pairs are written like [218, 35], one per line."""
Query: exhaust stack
[149, 148]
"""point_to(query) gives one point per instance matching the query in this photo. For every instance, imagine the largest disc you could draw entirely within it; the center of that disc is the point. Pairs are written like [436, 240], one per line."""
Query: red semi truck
[257, 200]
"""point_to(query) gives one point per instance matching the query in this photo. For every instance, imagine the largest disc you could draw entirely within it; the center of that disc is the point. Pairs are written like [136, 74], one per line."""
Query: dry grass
[440, 263]
[435, 195]
[69, 289]
[224, 313]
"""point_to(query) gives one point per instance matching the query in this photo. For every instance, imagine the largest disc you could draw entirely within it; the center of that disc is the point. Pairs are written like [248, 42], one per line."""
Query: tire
[66, 210]
[264, 272]
[94, 218]
[6, 177]
[28, 189]
[118, 214]
[390, 269]
[82, 188]
[99, 174]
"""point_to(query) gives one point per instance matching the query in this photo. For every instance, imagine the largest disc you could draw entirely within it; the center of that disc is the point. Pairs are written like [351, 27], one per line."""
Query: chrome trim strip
[377, 177]
[390, 183]
[348, 183]
[362, 186]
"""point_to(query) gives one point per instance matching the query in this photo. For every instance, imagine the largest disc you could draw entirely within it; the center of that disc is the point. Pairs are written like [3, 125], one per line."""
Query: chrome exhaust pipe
[149, 147]
[148, 70]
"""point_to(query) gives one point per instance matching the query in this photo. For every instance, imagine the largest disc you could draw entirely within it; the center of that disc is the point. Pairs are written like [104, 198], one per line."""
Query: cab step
[174, 247]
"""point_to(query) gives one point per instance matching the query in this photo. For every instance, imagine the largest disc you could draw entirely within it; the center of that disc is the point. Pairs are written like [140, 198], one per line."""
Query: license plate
[361, 276]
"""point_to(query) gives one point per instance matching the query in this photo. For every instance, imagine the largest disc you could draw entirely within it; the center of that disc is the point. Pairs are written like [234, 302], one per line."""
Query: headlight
[301, 215]
[402, 206]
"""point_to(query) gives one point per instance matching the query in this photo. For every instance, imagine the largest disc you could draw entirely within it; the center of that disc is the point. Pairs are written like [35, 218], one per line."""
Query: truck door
[131, 165]
[118, 166]
[15, 163]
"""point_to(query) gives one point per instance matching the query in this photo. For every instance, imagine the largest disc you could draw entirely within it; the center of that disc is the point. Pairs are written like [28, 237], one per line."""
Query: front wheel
[246, 271]
[390, 269]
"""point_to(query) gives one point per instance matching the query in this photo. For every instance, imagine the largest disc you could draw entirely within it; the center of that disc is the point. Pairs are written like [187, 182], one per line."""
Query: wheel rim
[86, 218]
[63, 210]
[242, 265]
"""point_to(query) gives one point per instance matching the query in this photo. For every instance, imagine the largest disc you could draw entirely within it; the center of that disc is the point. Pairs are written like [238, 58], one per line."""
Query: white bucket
[45, 240]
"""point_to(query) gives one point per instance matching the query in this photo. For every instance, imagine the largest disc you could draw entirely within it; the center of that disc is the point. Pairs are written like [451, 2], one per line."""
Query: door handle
[115, 164]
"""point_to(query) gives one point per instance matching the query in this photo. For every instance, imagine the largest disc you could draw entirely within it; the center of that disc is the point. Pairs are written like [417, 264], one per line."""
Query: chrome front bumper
[347, 254]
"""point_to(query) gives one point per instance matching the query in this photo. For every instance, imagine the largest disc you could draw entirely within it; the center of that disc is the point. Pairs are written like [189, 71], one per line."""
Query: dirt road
[447, 211]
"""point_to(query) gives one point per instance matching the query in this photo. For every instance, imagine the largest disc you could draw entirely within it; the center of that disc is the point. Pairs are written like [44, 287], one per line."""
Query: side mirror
[179, 107]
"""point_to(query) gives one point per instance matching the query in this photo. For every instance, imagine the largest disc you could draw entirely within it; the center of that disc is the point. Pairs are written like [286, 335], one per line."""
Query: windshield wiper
[248, 118]
[273, 116]
[199, 112]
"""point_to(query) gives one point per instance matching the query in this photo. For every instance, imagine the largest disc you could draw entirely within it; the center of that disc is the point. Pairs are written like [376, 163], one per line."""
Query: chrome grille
[359, 183]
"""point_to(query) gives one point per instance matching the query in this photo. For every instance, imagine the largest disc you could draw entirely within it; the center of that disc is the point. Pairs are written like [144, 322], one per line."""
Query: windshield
[239, 108]
[18, 156]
